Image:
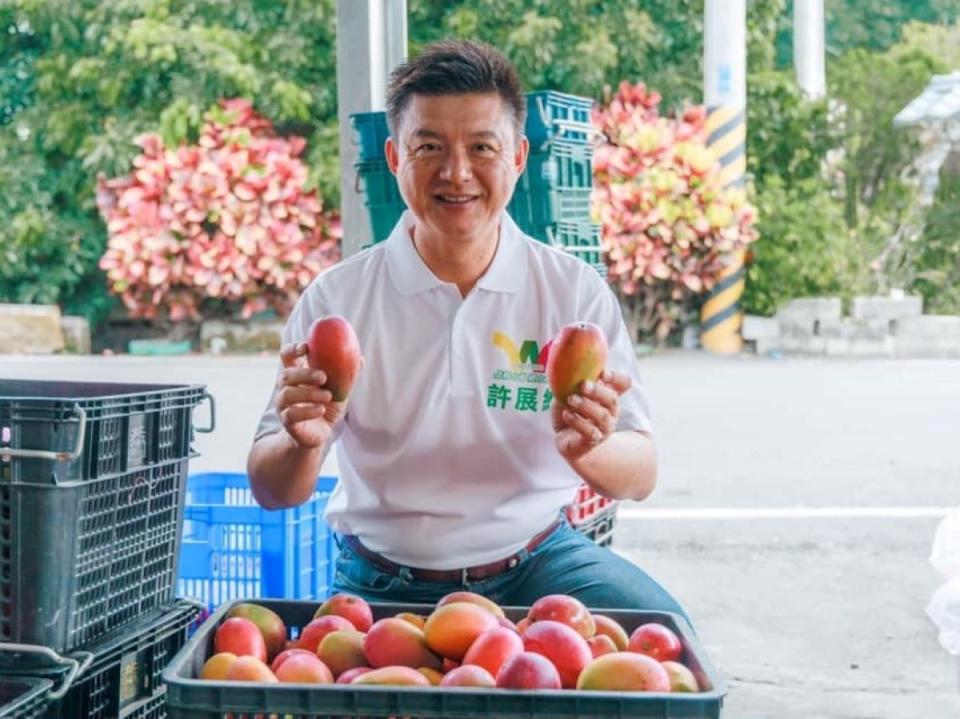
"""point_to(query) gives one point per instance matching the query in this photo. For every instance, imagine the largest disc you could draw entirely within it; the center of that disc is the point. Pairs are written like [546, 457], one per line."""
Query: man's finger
[617, 381]
[290, 353]
[301, 413]
[302, 394]
[593, 410]
[602, 393]
[302, 375]
[584, 426]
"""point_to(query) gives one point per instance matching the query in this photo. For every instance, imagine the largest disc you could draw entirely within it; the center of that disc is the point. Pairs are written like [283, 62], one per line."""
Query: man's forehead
[426, 132]
[470, 113]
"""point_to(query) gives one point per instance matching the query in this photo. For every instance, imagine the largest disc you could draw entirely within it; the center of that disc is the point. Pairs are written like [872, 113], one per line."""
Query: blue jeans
[567, 562]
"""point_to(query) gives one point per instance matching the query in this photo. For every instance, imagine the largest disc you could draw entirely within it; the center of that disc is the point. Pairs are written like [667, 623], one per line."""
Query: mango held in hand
[332, 346]
[578, 354]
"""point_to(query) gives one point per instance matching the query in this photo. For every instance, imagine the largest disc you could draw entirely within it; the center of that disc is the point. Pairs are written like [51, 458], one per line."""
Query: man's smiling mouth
[456, 199]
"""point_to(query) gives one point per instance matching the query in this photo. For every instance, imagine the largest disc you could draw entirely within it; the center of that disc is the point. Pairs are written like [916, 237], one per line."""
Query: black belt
[467, 574]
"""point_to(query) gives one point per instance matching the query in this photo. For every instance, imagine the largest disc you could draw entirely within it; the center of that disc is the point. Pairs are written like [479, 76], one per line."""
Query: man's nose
[456, 166]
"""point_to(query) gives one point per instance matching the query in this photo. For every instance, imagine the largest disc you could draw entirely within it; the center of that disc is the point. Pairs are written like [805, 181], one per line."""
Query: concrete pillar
[371, 41]
[725, 95]
[808, 47]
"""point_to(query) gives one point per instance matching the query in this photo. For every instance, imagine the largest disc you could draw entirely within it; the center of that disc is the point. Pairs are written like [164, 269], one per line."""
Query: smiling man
[455, 461]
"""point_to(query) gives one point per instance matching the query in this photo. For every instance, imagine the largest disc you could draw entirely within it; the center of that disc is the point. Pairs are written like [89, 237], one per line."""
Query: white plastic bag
[945, 555]
[944, 611]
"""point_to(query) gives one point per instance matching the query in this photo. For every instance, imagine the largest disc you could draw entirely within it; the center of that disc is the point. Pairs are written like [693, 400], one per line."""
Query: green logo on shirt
[528, 365]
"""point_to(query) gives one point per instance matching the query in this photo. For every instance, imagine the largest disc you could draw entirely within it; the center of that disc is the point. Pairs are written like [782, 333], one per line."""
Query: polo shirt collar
[411, 275]
[407, 270]
[508, 270]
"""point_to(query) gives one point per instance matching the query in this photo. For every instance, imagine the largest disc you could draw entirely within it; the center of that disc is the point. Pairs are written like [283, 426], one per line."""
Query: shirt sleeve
[601, 306]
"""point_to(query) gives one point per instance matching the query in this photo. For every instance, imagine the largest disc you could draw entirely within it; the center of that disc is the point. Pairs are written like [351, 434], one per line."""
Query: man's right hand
[306, 410]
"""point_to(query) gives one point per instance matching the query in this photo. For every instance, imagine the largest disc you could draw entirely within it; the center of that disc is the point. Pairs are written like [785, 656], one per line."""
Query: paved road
[796, 506]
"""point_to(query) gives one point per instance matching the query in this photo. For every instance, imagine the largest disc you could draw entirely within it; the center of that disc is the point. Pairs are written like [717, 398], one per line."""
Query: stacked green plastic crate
[552, 199]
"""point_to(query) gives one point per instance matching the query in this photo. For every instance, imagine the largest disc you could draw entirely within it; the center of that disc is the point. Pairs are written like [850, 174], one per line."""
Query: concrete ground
[794, 515]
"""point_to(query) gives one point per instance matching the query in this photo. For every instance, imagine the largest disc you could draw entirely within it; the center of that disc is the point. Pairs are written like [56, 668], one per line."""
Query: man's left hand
[590, 416]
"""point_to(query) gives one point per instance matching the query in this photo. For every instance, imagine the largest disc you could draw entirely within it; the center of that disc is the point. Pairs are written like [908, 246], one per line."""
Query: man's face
[457, 160]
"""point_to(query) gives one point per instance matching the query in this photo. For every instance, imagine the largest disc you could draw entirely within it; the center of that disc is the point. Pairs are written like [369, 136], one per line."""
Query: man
[455, 460]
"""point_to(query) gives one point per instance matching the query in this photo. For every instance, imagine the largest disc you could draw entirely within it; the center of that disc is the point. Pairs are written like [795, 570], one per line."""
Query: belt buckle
[465, 575]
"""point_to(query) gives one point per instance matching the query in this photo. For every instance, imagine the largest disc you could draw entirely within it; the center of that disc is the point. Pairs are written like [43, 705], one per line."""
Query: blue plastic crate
[550, 116]
[581, 239]
[553, 189]
[555, 115]
[371, 133]
[234, 549]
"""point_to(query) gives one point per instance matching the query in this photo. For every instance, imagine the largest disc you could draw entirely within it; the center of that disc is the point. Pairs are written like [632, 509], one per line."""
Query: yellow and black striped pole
[724, 76]
[720, 315]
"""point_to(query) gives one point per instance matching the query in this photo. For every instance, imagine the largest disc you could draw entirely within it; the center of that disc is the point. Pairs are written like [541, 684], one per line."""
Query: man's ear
[521, 154]
[392, 153]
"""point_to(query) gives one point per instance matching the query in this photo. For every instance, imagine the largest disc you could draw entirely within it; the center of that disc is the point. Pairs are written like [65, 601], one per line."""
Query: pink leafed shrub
[667, 224]
[221, 225]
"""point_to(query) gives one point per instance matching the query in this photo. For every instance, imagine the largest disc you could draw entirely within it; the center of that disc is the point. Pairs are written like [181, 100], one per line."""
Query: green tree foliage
[876, 25]
[870, 88]
[804, 247]
[79, 79]
[875, 159]
[92, 75]
[580, 45]
[872, 25]
[832, 180]
[659, 42]
[937, 263]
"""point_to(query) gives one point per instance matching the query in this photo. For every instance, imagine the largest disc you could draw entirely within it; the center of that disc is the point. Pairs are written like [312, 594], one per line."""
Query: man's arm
[283, 473]
[624, 466]
[617, 464]
[283, 465]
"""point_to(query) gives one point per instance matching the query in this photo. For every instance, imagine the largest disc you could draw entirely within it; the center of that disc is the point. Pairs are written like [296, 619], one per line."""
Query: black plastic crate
[122, 677]
[77, 562]
[52, 433]
[23, 697]
[91, 542]
[191, 698]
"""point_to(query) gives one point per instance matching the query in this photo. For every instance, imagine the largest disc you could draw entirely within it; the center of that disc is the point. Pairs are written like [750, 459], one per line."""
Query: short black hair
[455, 67]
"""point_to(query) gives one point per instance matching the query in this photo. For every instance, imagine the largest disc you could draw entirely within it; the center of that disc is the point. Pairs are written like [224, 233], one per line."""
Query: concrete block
[767, 347]
[859, 346]
[886, 308]
[812, 308]
[76, 335]
[928, 336]
[934, 327]
[800, 339]
[854, 330]
[802, 319]
[30, 329]
[757, 328]
[217, 337]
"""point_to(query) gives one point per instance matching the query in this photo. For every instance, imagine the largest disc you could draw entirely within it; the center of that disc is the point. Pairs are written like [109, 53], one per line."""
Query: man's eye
[483, 147]
[428, 147]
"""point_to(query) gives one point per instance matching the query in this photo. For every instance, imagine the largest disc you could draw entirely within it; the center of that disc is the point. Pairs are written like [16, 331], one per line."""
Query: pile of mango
[465, 641]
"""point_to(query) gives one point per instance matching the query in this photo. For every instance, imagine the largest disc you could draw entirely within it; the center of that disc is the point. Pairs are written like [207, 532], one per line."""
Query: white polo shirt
[446, 452]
